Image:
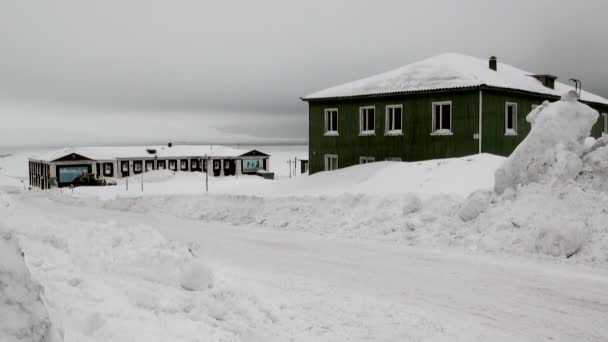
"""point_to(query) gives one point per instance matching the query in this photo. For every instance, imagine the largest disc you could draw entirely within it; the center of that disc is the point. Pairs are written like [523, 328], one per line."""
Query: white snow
[448, 71]
[387, 251]
[553, 149]
[23, 317]
[454, 177]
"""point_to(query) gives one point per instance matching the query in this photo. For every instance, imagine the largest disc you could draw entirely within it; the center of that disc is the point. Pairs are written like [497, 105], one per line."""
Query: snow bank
[105, 282]
[454, 177]
[553, 149]
[5, 200]
[595, 165]
[23, 315]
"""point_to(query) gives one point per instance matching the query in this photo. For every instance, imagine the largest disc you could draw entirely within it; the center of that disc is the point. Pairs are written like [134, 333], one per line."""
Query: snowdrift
[552, 151]
[23, 315]
[551, 190]
[105, 282]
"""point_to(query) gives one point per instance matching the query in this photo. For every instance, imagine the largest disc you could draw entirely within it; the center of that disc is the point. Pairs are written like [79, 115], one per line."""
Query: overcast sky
[109, 72]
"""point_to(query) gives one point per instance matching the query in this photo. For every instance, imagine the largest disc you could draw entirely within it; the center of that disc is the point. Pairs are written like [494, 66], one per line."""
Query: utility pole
[142, 180]
[127, 184]
[207, 173]
[289, 162]
[295, 167]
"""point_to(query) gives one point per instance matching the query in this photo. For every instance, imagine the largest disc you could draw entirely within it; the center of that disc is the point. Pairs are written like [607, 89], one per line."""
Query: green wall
[416, 143]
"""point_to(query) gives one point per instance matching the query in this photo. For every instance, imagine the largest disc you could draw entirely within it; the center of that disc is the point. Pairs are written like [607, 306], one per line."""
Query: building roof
[447, 71]
[135, 152]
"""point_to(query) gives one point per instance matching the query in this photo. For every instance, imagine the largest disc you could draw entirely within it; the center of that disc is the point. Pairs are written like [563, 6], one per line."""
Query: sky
[130, 71]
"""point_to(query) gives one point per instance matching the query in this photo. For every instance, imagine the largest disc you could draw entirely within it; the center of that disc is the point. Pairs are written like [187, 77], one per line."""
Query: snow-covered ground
[388, 251]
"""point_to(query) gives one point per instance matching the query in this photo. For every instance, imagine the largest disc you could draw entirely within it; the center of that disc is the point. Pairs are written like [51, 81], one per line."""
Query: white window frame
[326, 117]
[361, 121]
[395, 159]
[511, 131]
[441, 104]
[326, 159]
[365, 160]
[387, 112]
[605, 123]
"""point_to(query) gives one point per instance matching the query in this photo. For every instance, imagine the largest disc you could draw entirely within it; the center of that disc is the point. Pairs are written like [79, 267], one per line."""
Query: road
[344, 289]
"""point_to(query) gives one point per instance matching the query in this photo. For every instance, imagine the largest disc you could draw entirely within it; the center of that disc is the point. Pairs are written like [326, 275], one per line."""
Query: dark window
[367, 119]
[445, 116]
[442, 117]
[393, 119]
[437, 118]
[511, 118]
[331, 120]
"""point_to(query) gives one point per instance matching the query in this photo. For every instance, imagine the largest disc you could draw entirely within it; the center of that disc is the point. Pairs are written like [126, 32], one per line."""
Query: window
[393, 159]
[331, 162]
[331, 121]
[365, 160]
[394, 119]
[442, 118]
[510, 118]
[367, 116]
[605, 123]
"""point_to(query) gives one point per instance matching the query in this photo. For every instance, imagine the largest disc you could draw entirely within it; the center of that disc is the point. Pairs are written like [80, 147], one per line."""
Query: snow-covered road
[333, 289]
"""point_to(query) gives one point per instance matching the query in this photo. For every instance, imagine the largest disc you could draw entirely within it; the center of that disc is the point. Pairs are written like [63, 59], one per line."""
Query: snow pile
[454, 177]
[552, 151]
[5, 200]
[23, 317]
[595, 165]
[475, 204]
[549, 186]
[105, 282]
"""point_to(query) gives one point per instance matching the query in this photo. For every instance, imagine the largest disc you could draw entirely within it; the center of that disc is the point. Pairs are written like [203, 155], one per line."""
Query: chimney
[493, 63]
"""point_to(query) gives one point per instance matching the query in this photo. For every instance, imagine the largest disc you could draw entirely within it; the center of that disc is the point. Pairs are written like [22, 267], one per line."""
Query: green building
[450, 105]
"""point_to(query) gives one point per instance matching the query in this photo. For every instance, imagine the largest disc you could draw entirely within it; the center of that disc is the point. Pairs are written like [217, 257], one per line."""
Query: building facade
[62, 167]
[443, 115]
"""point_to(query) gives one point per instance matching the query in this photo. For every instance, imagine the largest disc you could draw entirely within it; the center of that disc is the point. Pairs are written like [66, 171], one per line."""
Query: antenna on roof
[578, 85]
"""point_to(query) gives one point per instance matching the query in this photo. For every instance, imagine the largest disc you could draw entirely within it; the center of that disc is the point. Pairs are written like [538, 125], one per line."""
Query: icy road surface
[332, 289]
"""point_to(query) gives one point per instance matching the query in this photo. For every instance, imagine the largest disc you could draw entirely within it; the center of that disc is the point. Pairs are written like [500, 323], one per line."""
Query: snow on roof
[447, 71]
[130, 152]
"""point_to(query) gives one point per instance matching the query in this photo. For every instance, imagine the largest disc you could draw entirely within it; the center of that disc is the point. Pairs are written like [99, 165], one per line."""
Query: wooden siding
[416, 143]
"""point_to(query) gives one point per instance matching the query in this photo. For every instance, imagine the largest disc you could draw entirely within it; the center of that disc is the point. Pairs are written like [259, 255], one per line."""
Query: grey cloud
[258, 58]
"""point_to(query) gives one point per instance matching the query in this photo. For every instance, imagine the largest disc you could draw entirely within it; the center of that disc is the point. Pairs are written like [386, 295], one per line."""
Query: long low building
[60, 168]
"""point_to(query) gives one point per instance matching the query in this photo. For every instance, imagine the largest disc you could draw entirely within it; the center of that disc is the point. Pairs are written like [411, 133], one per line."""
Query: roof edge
[442, 90]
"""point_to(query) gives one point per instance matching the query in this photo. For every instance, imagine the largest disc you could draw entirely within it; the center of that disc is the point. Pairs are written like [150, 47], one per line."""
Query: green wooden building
[450, 105]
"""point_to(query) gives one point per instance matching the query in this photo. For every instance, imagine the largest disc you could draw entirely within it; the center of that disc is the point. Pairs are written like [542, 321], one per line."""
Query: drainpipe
[480, 118]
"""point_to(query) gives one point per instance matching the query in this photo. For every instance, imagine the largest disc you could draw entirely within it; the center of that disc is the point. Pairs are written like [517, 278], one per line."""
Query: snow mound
[552, 151]
[154, 176]
[595, 165]
[196, 277]
[23, 315]
[109, 282]
[475, 204]
[5, 200]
